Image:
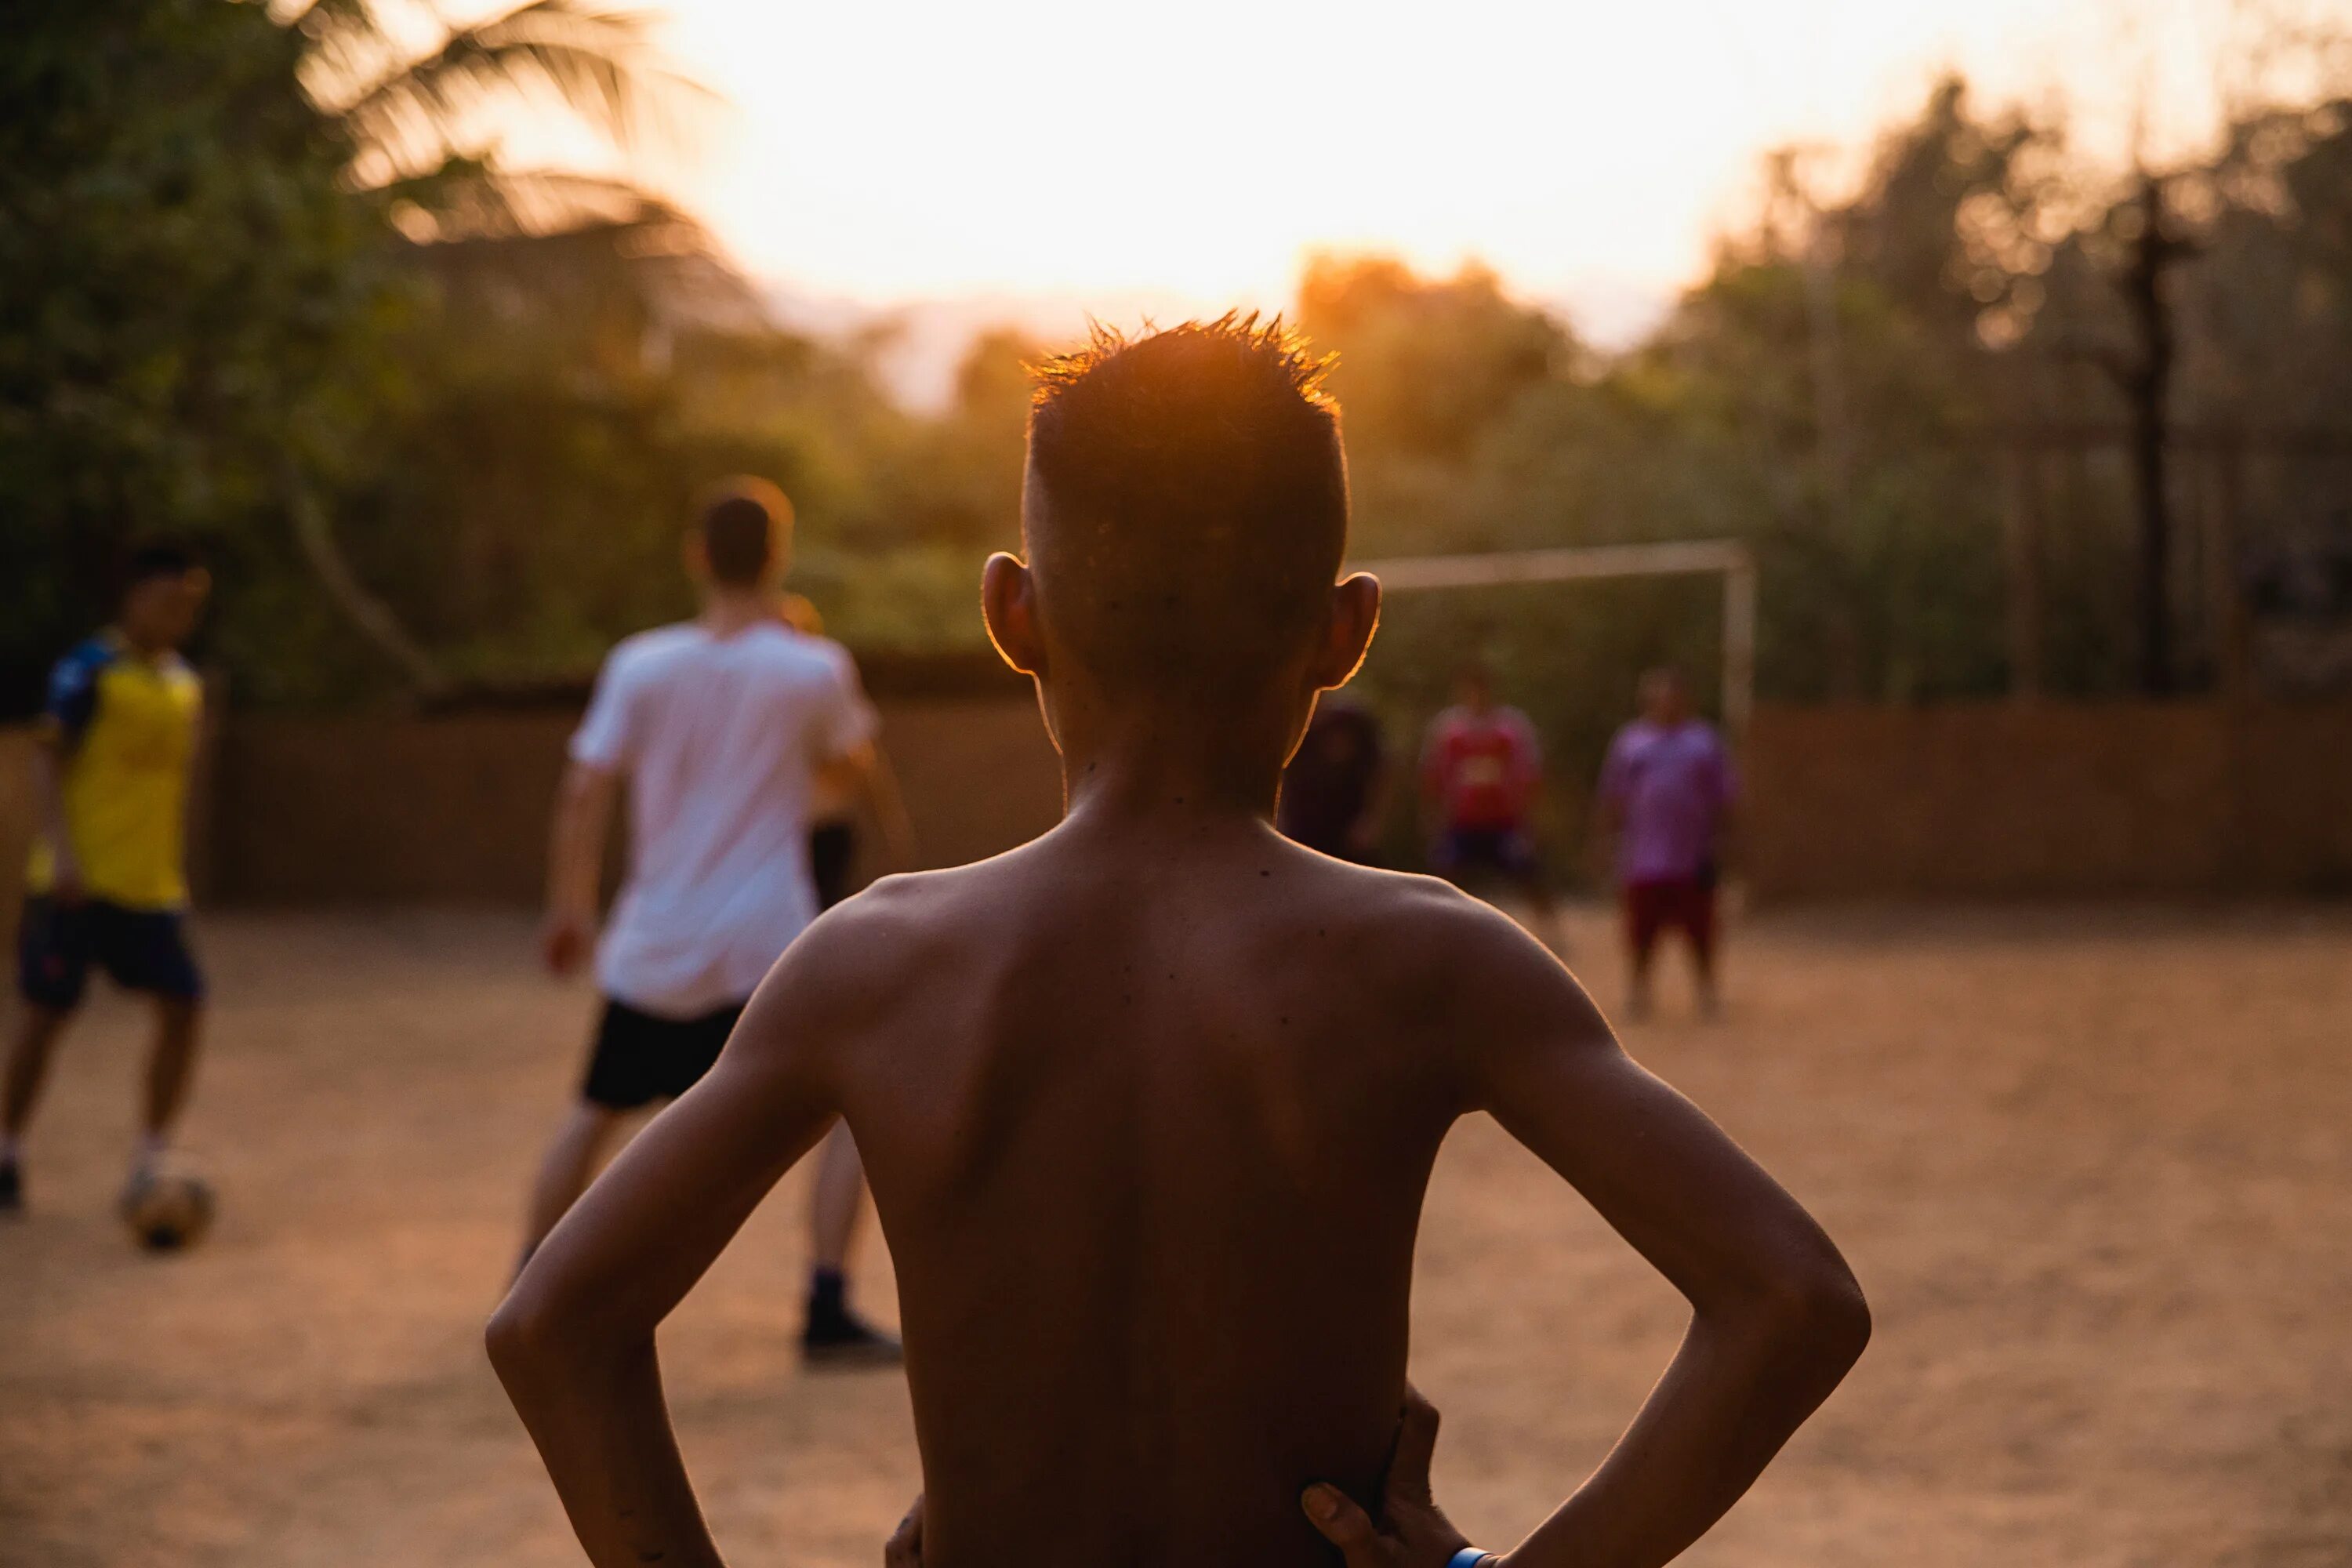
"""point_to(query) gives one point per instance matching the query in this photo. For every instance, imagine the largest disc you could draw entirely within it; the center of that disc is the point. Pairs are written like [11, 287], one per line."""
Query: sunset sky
[891, 151]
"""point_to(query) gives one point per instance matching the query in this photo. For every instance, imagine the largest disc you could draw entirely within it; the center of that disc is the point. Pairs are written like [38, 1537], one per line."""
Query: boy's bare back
[1148, 1118]
[1148, 1105]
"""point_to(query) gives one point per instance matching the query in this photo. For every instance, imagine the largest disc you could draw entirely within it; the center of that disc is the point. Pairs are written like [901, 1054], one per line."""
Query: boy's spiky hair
[1271, 344]
[1187, 500]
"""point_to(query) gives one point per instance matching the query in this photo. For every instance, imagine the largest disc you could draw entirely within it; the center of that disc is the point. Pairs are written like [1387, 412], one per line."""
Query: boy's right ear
[1355, 616]
[1008, 602]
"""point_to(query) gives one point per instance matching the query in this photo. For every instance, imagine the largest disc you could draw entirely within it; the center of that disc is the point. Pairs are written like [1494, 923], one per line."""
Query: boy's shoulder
[1418, 930]
[641, 653]
[72, 697]
[1412, 935]
[79, 664]
[914, 919]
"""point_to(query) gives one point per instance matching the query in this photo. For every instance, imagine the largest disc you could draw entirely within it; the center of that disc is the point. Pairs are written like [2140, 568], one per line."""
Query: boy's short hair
[1187, 500]
[745, 523]
[157, 558]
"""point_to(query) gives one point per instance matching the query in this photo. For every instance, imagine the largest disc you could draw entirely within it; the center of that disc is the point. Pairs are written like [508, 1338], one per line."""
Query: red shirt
[1481, 767]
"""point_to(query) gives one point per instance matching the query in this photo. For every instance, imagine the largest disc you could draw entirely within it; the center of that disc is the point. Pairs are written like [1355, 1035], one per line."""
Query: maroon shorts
[1685, 902]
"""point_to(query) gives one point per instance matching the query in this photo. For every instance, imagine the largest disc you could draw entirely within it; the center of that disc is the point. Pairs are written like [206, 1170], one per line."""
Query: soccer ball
[168, 1213]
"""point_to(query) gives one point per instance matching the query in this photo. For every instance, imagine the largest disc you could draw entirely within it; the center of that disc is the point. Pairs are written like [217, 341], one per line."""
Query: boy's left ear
[1008, 603]
[1355, 616]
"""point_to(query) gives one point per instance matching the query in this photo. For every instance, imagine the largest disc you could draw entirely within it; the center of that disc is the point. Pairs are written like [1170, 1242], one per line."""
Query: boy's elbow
[526, 1333]
[513, 1337]
[544, 1330]
[1821, 1313]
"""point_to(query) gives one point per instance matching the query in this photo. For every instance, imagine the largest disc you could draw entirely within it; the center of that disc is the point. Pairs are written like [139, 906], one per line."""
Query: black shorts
[1505, 851]
[639, 1058]
[142, 950]
[832, 851]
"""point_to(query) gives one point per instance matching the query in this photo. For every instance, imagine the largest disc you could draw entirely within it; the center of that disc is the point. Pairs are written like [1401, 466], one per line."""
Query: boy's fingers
[1416, 1446]
[1335, 1514]
[905, 1547]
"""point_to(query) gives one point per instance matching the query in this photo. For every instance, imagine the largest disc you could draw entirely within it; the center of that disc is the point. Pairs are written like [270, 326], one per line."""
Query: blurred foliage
[235, 302]
[195, 305]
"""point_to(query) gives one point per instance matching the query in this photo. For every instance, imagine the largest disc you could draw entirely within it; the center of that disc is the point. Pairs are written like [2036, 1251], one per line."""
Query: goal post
[1732, 559]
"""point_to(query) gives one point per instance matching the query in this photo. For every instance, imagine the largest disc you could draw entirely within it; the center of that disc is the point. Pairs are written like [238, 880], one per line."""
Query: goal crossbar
[1416, 573]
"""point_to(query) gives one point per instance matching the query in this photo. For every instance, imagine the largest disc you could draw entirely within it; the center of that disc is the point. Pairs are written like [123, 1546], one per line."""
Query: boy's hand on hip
[565, 939]
[905, 1547]
[1413, 1531]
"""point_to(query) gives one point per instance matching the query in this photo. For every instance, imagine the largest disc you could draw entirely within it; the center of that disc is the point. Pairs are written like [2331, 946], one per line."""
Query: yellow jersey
[124, 728]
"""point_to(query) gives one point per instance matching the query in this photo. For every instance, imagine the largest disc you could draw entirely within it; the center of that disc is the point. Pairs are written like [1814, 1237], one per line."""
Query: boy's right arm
[576, 862]
[574, 1341]
[49, 804]
[66, 715]
[1777, 1317]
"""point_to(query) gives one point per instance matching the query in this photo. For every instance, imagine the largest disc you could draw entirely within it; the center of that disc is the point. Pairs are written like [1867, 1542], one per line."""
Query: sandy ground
[2094, 1167]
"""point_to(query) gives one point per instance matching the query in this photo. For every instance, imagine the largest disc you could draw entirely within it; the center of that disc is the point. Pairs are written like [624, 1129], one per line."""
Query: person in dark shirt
[1336, 789]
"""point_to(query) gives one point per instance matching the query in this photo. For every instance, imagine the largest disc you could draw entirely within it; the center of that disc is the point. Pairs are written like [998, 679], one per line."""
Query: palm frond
[467, 198]
[350, 45]
[595, 62]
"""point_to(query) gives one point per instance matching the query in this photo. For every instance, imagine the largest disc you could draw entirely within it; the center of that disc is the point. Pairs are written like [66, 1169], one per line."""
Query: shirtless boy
[1148, 1104]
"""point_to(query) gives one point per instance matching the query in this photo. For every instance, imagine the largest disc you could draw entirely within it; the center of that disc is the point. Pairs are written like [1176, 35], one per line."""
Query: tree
[1424, 365]
[202, 299]
[414, 120]
[2156, 249]
[418, 118]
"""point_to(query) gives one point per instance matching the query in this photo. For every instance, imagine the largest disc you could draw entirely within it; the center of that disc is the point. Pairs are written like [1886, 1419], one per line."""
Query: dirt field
[2095, 1168]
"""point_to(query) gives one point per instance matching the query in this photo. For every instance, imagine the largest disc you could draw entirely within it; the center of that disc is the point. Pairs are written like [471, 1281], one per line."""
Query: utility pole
[2146, 378]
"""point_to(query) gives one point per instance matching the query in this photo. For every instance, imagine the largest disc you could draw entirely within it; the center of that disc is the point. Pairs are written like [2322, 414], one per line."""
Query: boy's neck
[148, 651]
[1135, 765]
[726, 611]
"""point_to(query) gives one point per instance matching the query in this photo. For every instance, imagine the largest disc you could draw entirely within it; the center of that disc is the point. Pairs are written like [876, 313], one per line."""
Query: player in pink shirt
[1666, 792]
[1480, 763]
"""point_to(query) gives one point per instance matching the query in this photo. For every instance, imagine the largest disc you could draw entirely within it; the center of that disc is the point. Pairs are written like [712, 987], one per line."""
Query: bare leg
[1701, 945]
[28, 1067]
[1640, 946]
[837, 1199]
[170, 1064]
[1551, 927]
[833, 1335]
[566, 1171]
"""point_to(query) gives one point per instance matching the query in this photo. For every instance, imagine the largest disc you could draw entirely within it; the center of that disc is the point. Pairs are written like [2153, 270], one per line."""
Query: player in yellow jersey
[107, 883]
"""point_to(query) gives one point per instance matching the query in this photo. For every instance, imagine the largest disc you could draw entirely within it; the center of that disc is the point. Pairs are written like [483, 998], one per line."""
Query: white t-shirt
[720, 740]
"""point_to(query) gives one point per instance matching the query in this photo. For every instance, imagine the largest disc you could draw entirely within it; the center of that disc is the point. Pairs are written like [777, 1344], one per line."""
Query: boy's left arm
[573, 1342]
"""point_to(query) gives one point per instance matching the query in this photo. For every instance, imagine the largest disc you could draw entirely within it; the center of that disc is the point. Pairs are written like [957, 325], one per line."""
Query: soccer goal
[1733, 561]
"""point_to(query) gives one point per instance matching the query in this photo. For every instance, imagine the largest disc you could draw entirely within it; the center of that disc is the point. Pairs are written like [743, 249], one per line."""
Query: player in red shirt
[1480, 763]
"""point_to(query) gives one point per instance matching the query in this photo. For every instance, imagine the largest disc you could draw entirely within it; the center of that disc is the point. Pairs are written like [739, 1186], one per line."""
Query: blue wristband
[1468, 1557]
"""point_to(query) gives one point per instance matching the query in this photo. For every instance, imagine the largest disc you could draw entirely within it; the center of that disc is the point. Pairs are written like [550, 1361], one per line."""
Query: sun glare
[917, 149]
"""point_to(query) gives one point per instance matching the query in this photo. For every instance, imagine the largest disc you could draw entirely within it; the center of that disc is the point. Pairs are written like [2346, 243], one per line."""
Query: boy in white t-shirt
[724, 729]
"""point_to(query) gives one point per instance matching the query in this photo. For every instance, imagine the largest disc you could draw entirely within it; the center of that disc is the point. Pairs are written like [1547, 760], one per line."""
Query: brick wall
[455, 808]
[2044, 800]
[1992, 800]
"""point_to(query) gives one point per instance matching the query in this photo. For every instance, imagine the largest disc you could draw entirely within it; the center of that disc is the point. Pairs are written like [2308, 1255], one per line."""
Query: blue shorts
[142, 950]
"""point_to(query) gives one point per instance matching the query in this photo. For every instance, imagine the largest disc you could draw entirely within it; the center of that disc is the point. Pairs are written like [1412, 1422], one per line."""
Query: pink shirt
[1671, 786]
